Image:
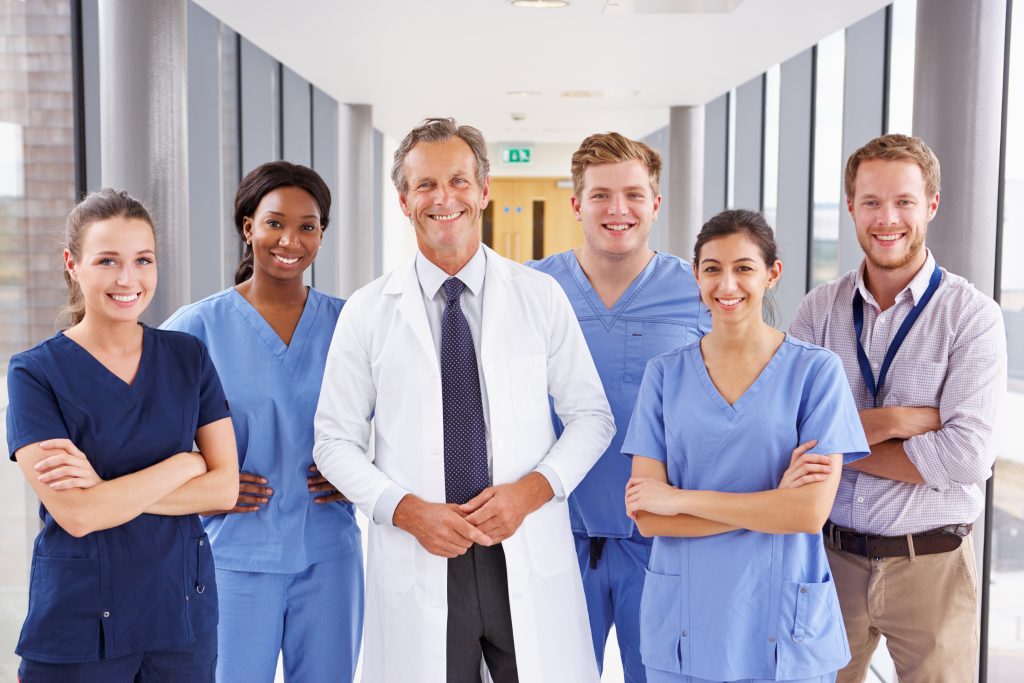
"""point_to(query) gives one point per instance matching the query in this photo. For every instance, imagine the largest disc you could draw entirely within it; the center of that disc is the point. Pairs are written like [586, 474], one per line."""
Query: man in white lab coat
[452, 358]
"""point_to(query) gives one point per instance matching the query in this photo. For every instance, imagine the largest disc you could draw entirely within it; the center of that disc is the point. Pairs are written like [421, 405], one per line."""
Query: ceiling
[415, 58]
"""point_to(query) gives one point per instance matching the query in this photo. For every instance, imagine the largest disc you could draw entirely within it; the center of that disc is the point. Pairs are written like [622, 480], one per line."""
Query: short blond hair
[613, 148]
[895, 147]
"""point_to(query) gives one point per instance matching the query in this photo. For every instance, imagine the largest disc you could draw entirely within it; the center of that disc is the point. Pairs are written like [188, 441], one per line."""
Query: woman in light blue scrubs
[738, 587]
[289, 555]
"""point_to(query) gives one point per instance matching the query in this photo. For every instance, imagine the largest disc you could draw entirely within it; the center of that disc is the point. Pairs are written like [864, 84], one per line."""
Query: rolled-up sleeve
[960, 453]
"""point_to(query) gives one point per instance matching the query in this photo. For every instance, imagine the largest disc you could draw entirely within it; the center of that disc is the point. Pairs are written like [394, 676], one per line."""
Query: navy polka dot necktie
[465, 435]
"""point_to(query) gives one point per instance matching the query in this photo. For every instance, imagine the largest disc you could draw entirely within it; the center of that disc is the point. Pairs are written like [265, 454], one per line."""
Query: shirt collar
[915, 289]
[432, 278]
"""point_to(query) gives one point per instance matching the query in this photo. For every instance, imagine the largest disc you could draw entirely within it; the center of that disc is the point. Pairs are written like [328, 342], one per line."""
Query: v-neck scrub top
[659, 311]
[273, 388]
[743, 604]
[149, 583]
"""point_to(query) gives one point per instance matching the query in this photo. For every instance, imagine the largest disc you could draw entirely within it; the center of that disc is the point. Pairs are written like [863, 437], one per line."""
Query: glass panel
[37, 187]
[730, 146]
[902, 41]
[771, 144]
[1006, 599]
[828, 157]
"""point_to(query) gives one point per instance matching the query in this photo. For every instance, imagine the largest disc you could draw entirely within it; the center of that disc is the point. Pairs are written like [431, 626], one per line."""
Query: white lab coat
[382, 366]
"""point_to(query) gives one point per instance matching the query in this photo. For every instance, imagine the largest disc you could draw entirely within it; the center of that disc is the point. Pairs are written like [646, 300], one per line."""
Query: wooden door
[531, 218]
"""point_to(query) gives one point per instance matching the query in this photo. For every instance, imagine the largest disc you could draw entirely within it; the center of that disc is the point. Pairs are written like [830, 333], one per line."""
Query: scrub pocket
[64, 610]
[201, 591]
[645, 340]
[664, 640]
[812, 638]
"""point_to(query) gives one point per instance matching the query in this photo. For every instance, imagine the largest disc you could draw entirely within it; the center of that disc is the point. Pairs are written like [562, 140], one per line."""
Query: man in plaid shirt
[925, 355]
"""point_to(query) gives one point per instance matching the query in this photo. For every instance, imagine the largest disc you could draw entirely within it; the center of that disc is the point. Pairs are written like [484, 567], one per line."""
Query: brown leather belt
[941, 540]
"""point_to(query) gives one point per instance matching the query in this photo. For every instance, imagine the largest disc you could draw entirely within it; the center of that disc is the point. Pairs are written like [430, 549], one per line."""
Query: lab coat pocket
[65, 610]
[397, 552]
[812, 639]
[664, 635]
[550, 540]
[528, 381]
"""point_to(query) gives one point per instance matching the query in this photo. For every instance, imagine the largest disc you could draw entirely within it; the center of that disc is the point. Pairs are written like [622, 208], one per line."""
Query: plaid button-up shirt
[953, 359]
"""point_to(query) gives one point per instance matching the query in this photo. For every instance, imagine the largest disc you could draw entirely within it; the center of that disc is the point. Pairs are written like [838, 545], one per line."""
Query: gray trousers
[479, 618]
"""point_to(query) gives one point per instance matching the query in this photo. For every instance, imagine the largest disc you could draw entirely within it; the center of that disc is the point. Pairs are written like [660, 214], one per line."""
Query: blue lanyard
[897, 341]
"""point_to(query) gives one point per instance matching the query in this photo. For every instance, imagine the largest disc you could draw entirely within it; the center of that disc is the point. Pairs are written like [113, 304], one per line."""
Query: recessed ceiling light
[581, 94]
[539, 4]
[522, 93]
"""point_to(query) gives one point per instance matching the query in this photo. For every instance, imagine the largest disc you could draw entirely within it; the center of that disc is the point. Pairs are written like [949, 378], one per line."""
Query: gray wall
[749, 145]
[716, 155]
[659, 142]
[863, 110]
[796, 126]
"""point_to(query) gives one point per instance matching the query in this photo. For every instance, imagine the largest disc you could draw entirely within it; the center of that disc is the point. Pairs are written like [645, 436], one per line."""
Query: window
[771, 144]
[902, 43]
[828, 157]
[1006, 597]
[37, 188]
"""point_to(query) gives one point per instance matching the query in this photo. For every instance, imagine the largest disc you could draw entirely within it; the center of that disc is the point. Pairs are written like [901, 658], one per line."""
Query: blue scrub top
[274, 389]
[742, 604]
[146, 584]
[659, 311]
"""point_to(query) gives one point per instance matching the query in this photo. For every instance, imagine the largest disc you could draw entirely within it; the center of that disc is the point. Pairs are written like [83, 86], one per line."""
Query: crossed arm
[185, 483]
[887, 429]
[801, 504]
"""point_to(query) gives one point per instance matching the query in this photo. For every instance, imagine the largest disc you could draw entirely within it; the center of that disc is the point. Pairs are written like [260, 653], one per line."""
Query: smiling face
[284, 232]
[444, 201]
[115, 269]
[733, 277]
[617, 207]
[891, 211]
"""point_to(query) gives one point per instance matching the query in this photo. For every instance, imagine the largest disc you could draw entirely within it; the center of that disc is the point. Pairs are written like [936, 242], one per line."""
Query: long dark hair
[97, 206]
[263, 180]
[757, 230]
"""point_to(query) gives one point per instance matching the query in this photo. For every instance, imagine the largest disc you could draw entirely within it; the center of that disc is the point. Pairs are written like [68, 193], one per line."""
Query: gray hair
[440, 130]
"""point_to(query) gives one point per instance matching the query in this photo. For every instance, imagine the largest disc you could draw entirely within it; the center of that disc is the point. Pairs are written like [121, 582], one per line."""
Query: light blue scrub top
[273, 390]
[742, 604]
[659, 311]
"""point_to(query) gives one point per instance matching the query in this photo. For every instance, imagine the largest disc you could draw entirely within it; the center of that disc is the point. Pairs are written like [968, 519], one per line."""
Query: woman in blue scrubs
[101, 421]
[289, 555]
[738, 587]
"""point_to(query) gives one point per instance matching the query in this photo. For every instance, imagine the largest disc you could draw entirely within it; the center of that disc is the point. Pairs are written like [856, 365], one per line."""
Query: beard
[912, 252]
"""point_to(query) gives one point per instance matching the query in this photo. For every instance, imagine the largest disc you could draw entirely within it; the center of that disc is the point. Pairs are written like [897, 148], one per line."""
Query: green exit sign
[515, 155]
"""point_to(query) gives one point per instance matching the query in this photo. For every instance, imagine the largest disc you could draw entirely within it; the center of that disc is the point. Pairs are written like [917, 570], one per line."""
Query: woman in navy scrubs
[102, 421]
[738, 587]
[288, 555]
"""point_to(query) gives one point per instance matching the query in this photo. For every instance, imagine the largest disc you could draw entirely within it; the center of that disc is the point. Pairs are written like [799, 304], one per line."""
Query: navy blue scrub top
[149, 583]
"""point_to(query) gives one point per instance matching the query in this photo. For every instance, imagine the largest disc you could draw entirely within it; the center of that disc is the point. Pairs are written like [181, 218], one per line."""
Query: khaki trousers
[925, 606]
